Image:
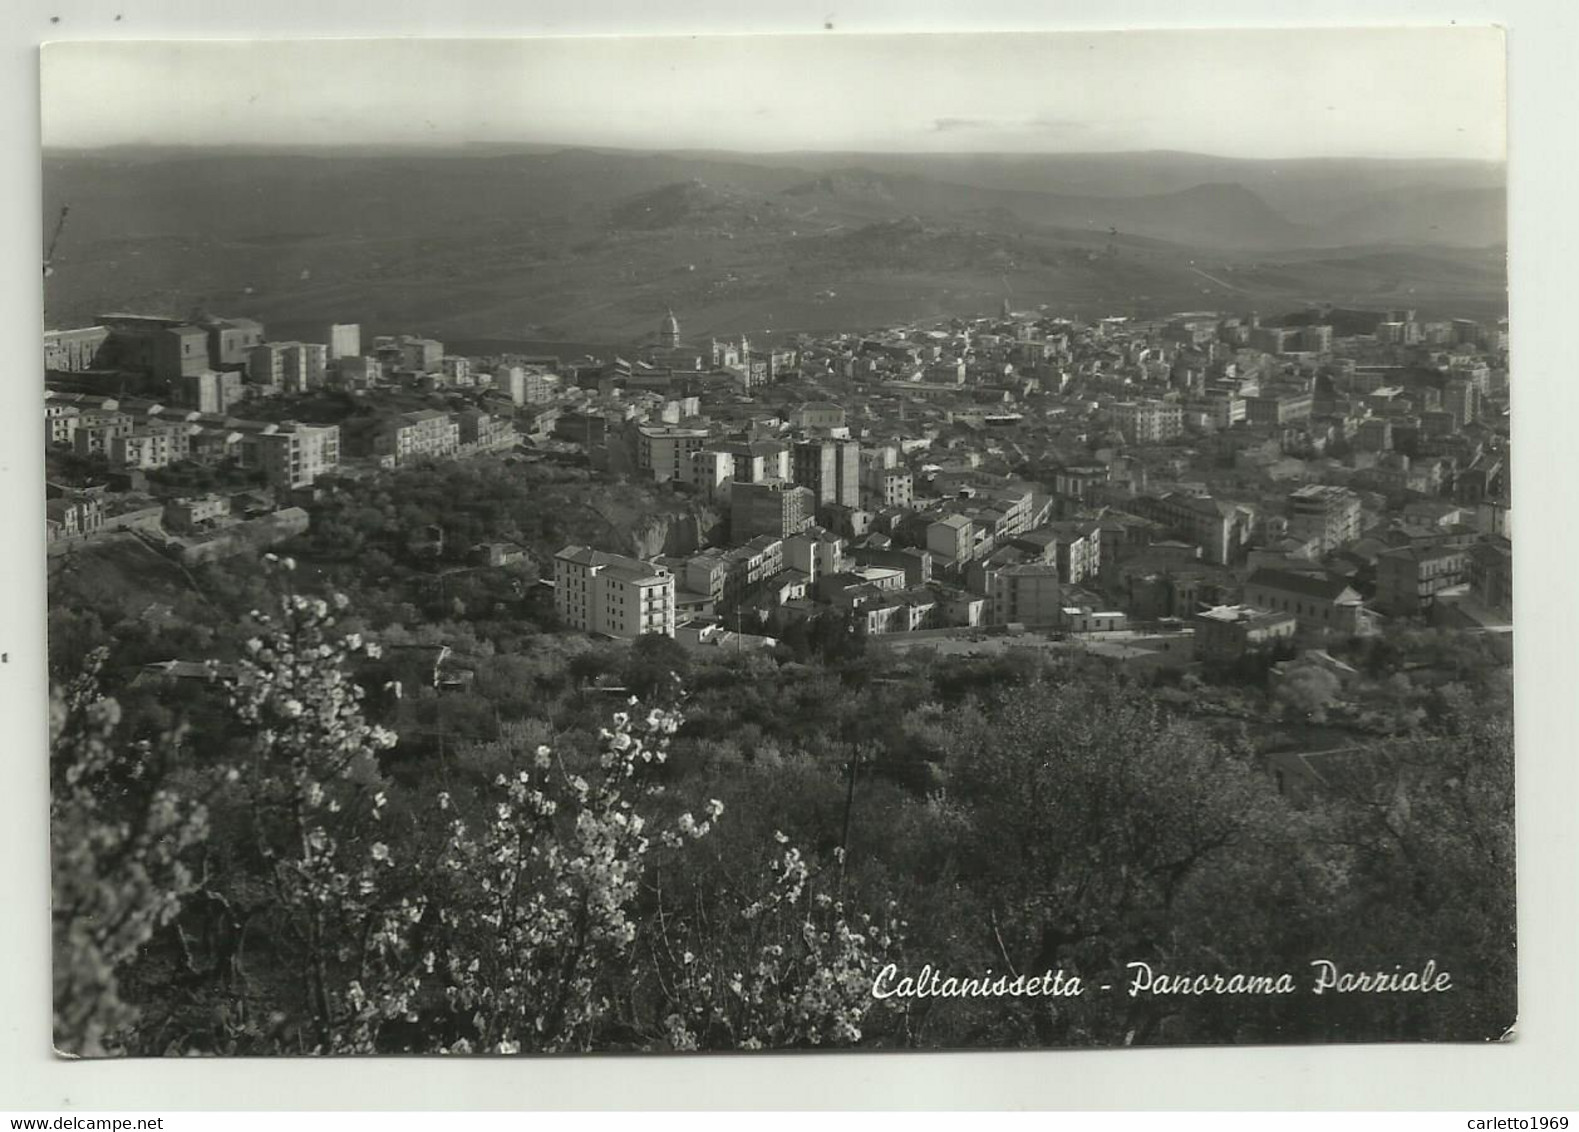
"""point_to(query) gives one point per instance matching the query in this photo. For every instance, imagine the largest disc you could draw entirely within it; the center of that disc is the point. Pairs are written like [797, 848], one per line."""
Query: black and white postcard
[877, 542]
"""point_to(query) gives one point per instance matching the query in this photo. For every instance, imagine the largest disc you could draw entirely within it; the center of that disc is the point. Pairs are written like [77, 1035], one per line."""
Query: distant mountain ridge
[543, 242]
[1464, 217]
[1181, 197]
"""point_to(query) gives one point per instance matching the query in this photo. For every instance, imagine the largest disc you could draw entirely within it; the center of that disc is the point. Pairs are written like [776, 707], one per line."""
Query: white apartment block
[157, 446]
[1325, 512]
[1147, 422]
[598, 592]
[713, 472]
[296, 454]
[424, 434]
[345, 340]
[668, 453]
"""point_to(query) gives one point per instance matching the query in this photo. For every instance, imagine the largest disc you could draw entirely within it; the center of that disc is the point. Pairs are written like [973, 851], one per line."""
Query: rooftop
[417, 415]
[1242, 614]
[1030, 570]
[1422, 553]
[1321, 491]
[1310, 585]
[619, 565]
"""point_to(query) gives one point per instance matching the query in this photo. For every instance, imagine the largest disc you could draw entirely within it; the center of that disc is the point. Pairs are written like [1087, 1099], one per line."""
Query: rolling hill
[1461, 217]
[593, 245]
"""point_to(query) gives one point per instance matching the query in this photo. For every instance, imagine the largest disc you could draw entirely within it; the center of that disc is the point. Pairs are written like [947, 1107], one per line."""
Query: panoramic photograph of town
[896, 543]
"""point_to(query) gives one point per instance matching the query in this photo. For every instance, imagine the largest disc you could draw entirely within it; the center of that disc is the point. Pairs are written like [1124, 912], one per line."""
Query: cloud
[945, 125]
[1040, 124]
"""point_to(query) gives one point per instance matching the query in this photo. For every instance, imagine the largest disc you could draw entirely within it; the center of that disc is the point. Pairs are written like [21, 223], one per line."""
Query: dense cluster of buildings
[134, 394]
[1204, 474]
[139, 434]
[143, 393]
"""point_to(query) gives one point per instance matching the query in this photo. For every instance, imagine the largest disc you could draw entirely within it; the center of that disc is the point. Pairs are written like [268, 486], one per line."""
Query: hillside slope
[594, 245]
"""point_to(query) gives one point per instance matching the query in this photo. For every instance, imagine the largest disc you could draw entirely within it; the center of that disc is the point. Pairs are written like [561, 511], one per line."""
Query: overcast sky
[1283, 93]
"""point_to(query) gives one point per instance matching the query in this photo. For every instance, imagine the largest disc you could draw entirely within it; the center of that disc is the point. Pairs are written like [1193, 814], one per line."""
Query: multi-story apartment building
[1374, 435]
[266, 365]
[831, 469]
[814, 552]
[1462, 399]
[886, 487]
[230, 339]
[72, 351]
[74, 515]
[200, 391]
[212, 391]
[612, 594]
[756, 460]
[1316, 339]
[162, 347]
[1191, 331]
[1073, 545]
[712, 471]
[188, 514]
[60, 423]
[538, 386]
[293, 455]
[711, 574]
[1147, 422]
[426, 434]
[1409, 578]
[180, 350]
[357, 371]
[292, 367]
[151, 446]
[482, 432]
[882, 456]
[776, 508]
[818, 415]
[1328, 514]
[1008, 512]
[952, 539]
[302, 366]
[96, 430]
[1270, 339]
[1223, 407]
[457, 370]
[345, 340]
[421, 355]
[1491, 574]
[512, 381]
[1271, 409]
[1473, 370]
[1078, 483]
[537, 421]
[1030, 594]
[946, 371]
[758, 560]
[526, 385]
[1226, 633]
[1217, 528]
[668, 453]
